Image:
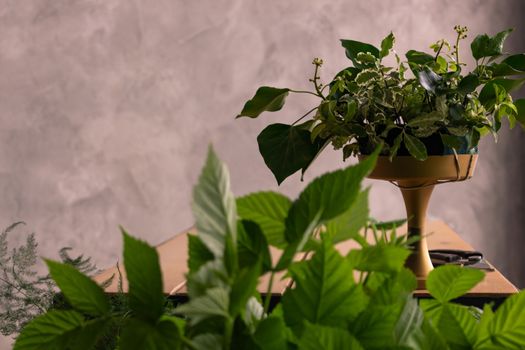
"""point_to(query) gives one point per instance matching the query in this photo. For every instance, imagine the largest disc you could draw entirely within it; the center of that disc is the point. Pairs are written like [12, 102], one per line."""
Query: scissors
[456, 257]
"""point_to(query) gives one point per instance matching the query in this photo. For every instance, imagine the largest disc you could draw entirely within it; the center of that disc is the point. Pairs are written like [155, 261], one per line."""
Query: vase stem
[417, 196]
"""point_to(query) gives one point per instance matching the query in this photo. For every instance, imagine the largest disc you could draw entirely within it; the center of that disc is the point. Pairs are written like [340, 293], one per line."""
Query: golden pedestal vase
[416, 180]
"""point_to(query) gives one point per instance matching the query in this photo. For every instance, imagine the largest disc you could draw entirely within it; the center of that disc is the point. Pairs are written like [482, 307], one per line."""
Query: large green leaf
[415, 147]
[286, 149]
[353, 48]
[450, 281]
[468, 84]
[487, 95]
[506, 328]
[316, 337]
[198, 253]
[214, 207]
[271, 334]
[244, 287]
[266, 99]
[60, 330]
[252, 246]
[347, 225]
[418, 57]
[380, 257]
[137, 334]
[389, 288]
[512, 65]
[324, 291]
[486, 46]
[141, 261]
[374, 328]
[325, 198]
[268, 210]
[408, 328]
[80, 291]
[215, 302]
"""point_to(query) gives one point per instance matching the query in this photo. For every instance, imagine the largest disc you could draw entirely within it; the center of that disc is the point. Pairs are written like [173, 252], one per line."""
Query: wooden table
[173, 261]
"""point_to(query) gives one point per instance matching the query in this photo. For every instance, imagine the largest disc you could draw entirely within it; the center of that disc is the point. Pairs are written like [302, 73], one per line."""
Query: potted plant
[426, 112]
[327, 308]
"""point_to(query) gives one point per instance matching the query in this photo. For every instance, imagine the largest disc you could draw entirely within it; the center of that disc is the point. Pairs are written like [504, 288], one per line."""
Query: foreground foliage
[360, 300]
[424, 105]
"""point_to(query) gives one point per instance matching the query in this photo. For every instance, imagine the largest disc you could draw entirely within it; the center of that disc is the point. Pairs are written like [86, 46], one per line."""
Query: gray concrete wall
[107, 109]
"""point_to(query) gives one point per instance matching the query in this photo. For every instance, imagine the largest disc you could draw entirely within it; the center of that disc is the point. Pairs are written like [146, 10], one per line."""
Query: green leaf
[450, 281]
[353, 48]
[506, 328]
[137, 334]
[418, 57]
[374, 328]
[266, 98]
[141, 261]
[512, 65]
[324, 291]
[214, 207]
[323, 199]
[271, 334]
[386, 45]
[198, 253]
[395, 146]
[253, 247]
[60, 330]
[487, 95]
[408, 327]
[348, 224]
[243, 287]
[452, 141]
[485, 46]
[316, 337]
[380, 257]
[468, 84]
[269, 211]
[390, 288]
[415, 147]
[426, 120]
[215, 302]
[81, 292]
[286, 149]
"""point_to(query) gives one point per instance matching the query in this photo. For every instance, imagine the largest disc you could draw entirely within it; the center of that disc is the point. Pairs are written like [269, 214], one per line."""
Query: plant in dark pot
[426, 112]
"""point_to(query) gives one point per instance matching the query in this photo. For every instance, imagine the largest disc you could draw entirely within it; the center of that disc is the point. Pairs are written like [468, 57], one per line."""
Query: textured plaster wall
[107, 109]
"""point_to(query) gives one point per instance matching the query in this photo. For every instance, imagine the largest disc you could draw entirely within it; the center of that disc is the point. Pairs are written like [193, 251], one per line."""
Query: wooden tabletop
[173, 260]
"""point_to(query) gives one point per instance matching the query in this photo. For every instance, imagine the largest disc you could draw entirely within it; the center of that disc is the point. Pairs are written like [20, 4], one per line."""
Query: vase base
[421, 283]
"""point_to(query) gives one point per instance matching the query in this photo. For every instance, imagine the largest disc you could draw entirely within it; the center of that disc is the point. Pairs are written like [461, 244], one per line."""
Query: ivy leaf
[266, 99]
[426, 120]
[81, 292]
[512, 65]
[487, 95]
[353, 48]
[386, 45]
[506, 328]
[268, 210]
[449, 281]
[468, 84]
[64, 329]
[418, 57]
[317, 337]
[380, 257]
[324, 291]
[198, 253]
[452, 141]
[214, 208]
[165, 335]
[286, 149]
[348, 225]
[141, 261]
[485, 46]
[415, 147]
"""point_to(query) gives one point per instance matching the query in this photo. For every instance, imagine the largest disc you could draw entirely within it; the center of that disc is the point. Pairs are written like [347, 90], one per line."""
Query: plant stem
[306, 92]
[228, 331]
[457, 49]
[316, 77]
[304, 116]
[439, 50]
[268, 293]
